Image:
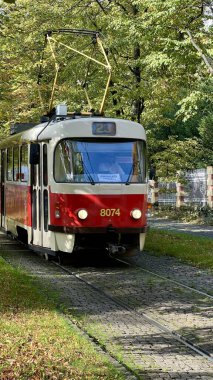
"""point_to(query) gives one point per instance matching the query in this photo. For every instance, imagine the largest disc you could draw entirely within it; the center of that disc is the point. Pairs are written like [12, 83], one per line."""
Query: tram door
[2, 188]
[40, 199]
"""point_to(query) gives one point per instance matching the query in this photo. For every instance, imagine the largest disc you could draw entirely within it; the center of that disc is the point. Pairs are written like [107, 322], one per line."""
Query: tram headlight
[82, 214]
[136, 213]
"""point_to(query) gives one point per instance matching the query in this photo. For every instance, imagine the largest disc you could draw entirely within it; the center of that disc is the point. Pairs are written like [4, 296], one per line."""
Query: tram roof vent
[20, 127]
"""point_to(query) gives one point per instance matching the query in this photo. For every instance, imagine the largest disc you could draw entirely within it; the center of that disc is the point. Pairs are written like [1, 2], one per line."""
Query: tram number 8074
[110, 212]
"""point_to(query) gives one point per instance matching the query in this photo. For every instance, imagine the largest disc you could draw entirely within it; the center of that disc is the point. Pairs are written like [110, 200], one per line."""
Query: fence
[196, 188]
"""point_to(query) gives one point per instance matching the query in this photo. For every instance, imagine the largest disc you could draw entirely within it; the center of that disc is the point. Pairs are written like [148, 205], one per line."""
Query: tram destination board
[103, 128]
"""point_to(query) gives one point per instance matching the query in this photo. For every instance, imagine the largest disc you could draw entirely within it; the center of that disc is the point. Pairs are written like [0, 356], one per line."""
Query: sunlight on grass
[36, 342]
[190, 249]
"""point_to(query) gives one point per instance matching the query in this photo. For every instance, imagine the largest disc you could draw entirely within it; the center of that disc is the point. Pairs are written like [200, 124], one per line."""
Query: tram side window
[45, 173]
[140, 162]
[63, 162]
[24, 163]
[2, 166]
[16, 164]
[9, 164]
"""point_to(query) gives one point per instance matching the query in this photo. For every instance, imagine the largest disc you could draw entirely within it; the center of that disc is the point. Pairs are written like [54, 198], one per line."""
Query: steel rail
[119, 364]
[164, 278]
[150, 320]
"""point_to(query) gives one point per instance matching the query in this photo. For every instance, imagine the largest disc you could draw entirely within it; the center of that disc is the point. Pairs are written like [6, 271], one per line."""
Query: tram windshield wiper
[130, 174]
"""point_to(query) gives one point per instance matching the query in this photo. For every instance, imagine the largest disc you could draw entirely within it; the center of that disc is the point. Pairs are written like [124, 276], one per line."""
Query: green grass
[36, 342]
[190, 249]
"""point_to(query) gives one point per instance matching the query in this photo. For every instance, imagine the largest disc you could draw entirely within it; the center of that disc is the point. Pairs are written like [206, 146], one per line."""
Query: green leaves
[189, 105]
[176, 155]
[157, 50]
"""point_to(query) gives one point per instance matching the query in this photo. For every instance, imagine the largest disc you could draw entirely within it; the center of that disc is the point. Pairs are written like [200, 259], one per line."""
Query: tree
[160, 52]
[179, 155]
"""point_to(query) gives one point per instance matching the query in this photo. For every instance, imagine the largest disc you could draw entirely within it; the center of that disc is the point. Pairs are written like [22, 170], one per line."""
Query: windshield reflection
[100, 162]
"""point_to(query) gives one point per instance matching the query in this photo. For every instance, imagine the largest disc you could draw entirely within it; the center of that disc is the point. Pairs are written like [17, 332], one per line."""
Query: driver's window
[63, 162]
[78, 164]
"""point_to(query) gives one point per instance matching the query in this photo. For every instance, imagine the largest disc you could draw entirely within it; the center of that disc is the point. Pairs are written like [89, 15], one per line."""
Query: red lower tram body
[109, 223]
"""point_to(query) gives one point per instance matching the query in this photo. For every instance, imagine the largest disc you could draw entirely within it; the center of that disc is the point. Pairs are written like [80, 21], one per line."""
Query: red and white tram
[76, 182]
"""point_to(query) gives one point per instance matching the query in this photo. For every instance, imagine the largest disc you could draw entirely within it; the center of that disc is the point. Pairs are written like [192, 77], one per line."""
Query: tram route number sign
[100, 128]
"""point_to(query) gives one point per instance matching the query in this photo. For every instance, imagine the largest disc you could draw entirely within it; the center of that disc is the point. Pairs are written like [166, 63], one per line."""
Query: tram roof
[79, 127]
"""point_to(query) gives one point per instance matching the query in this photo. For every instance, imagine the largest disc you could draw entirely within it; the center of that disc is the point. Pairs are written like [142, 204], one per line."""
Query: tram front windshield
[100, 161]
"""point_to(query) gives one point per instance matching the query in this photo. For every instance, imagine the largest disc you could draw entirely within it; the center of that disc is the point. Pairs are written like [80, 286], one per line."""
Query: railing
[194, 188]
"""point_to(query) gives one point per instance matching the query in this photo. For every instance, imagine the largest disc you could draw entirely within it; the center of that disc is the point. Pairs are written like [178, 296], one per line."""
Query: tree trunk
[138, 103]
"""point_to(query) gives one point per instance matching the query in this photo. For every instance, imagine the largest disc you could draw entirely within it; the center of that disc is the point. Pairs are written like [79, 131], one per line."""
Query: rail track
[147, 347]
[205, 294]
[153, 322]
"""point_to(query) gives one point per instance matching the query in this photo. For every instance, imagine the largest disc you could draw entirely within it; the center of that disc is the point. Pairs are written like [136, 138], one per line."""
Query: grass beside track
[189, 249]
[36, 342]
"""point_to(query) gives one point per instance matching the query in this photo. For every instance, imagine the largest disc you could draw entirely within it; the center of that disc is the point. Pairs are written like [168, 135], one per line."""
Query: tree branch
[101, 6]
[119, 5]
[208, 60]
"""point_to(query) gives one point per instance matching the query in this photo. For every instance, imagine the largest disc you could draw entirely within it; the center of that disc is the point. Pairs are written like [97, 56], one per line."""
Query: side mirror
[34, 154]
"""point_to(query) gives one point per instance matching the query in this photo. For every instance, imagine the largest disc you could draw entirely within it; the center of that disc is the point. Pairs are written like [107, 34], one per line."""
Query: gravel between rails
[150, 353]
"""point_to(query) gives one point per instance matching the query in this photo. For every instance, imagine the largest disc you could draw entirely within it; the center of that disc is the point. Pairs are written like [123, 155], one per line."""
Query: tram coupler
[116, 250]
